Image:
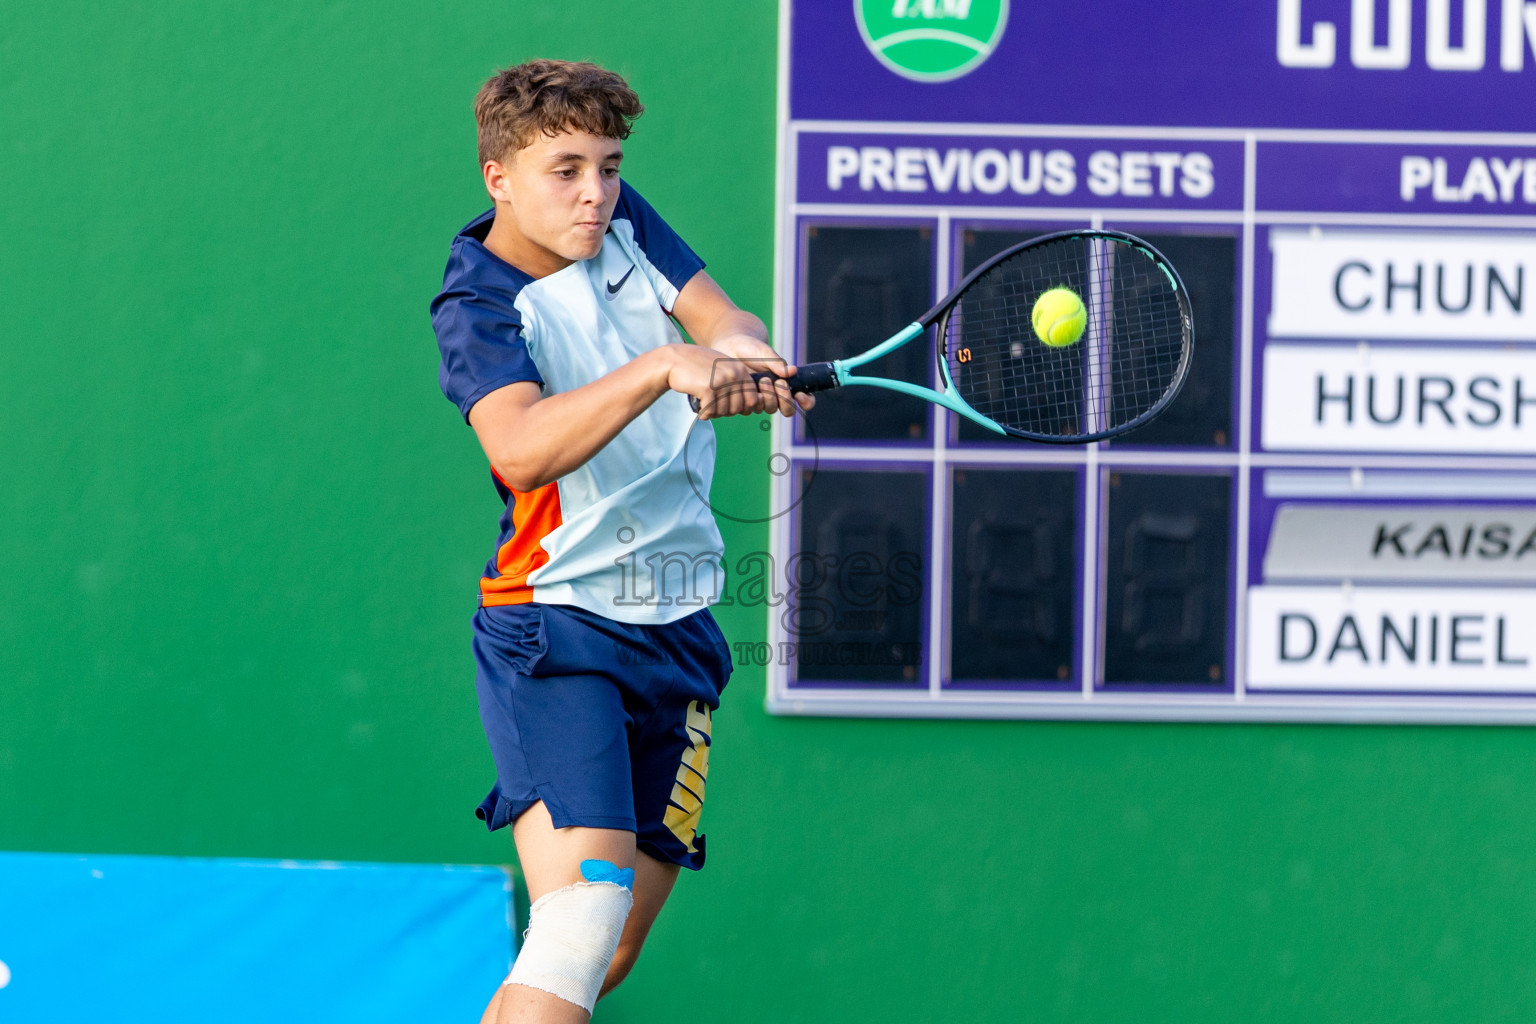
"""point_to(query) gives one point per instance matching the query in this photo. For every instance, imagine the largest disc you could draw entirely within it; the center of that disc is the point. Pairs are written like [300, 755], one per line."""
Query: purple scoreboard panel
[1337, 518]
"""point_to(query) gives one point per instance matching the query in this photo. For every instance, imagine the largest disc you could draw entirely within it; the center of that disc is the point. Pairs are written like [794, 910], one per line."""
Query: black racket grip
[810, 378]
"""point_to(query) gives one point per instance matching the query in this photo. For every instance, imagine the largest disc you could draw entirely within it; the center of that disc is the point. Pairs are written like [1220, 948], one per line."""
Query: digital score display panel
[1337, 518]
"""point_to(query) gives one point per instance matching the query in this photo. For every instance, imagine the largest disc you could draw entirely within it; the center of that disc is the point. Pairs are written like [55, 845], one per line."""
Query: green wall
[242, 530]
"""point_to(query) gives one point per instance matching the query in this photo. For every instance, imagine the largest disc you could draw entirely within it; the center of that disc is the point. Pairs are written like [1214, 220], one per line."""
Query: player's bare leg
[653, 884]
[551, 859]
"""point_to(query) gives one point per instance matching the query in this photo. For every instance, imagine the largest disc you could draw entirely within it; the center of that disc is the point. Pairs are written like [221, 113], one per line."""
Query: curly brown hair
[551, 96]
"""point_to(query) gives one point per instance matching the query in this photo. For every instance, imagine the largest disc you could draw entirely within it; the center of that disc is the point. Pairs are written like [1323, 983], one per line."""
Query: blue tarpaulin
[161, 940]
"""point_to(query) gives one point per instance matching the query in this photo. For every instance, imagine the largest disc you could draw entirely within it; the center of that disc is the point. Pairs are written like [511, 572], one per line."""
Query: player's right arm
[532, 440]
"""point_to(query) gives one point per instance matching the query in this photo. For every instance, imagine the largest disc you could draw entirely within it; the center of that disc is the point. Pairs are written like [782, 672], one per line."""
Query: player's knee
[573, 935]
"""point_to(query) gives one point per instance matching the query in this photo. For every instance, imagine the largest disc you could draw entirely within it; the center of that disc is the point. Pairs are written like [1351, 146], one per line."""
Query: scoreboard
[1336, 520]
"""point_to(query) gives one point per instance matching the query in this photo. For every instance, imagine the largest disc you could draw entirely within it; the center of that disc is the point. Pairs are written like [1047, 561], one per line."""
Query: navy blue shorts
[606, 722]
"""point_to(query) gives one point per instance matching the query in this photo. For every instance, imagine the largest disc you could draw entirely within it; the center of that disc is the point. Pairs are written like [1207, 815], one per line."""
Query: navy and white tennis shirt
[627, 535]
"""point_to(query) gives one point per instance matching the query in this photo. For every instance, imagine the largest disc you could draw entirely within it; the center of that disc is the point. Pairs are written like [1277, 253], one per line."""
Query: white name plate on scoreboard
[1380, 398]
[1442, 640]
[1401, 285]
[1430, 543]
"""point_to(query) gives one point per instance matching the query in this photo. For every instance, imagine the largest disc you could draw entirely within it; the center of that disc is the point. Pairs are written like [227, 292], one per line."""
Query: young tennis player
[558, 327]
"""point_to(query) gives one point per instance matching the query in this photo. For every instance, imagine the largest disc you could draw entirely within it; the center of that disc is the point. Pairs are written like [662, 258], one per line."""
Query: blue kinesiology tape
[606, 871]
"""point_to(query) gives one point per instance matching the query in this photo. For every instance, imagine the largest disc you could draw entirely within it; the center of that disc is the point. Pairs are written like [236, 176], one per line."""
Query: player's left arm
[711, 319]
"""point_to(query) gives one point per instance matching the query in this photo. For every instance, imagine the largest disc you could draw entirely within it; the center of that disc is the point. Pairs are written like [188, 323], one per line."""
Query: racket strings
[1128, 357]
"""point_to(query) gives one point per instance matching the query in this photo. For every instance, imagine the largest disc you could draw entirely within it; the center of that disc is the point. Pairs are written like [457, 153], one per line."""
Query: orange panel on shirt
[535, 515]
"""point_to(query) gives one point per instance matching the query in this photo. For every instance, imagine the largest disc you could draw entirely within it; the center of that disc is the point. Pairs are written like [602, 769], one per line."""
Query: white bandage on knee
[572, 936]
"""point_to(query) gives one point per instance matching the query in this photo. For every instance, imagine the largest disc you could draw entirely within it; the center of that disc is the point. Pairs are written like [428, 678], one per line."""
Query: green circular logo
[931, 40]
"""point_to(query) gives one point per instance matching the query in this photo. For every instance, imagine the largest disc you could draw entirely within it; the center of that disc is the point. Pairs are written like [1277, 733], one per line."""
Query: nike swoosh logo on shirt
[613, 289]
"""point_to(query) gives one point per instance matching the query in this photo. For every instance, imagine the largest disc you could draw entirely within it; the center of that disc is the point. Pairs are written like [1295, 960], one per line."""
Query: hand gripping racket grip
[815, 377]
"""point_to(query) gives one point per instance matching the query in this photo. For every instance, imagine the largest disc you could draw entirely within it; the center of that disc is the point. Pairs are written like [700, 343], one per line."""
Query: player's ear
[497, 180]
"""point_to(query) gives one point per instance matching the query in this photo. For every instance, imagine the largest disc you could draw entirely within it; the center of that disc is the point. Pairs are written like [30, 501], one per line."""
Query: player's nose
[592, 187]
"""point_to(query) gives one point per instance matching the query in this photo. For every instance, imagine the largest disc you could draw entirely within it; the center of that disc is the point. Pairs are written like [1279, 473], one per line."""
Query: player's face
[556, 196]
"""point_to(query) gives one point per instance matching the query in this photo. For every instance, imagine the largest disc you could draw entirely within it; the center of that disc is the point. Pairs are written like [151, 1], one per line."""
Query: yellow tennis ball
[1059, 317]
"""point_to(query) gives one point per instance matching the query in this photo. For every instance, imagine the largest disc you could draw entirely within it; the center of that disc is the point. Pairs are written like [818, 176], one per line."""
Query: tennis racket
[1126, 366]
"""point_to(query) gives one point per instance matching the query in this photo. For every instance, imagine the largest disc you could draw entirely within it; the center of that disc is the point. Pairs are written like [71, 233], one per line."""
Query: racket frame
[937, 318]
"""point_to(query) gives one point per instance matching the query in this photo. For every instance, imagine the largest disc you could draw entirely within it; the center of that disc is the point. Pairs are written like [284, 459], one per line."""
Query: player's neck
[510, 244]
